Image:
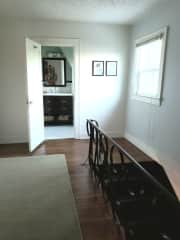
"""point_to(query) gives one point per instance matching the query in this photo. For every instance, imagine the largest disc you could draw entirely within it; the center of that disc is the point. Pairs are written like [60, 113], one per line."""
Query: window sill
[149, 100]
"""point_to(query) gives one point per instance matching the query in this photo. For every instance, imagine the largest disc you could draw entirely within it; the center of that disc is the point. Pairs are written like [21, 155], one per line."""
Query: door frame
[75, 43]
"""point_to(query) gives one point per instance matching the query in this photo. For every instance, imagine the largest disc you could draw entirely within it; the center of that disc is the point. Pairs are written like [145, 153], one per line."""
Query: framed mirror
[54, 73]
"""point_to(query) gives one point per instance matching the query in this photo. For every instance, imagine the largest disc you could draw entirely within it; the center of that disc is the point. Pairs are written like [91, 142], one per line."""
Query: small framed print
[111, 68]
[97, 68]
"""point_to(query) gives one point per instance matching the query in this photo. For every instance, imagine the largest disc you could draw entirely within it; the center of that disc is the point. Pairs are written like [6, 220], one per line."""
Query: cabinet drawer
[63, 101]
[61, 107]
[64, 110]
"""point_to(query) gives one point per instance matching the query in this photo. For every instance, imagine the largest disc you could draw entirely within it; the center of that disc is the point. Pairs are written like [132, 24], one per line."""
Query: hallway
[94, 214]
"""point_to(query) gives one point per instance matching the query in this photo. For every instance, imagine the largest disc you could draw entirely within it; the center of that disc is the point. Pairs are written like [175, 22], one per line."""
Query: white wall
[101, 98]
[157, 129]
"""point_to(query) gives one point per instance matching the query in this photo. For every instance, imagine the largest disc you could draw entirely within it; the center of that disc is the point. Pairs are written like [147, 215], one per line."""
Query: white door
[35, 94]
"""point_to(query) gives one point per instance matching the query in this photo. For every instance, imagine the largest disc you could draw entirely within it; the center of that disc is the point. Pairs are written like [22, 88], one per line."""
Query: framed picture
[54, 73]
[97, 68]
[111, 68]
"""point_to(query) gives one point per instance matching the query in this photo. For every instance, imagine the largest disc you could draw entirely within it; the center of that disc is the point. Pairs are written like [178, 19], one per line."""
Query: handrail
[169, 196]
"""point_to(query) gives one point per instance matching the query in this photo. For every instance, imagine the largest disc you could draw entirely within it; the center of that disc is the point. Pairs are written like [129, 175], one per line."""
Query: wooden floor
[94, 213]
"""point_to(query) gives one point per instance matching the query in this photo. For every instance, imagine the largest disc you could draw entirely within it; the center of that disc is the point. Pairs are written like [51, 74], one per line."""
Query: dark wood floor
[94, 213]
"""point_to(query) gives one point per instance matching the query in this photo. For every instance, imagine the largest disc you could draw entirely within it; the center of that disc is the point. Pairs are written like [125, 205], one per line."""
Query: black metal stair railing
[140, 193]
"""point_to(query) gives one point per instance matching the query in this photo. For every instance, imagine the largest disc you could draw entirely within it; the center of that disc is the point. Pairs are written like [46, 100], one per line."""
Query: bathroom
[58, 91]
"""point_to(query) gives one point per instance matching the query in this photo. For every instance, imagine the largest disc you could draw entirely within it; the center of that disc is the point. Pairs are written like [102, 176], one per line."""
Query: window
[149, 64]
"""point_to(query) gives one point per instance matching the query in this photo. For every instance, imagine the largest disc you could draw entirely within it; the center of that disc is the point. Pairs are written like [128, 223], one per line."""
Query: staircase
[140, 194]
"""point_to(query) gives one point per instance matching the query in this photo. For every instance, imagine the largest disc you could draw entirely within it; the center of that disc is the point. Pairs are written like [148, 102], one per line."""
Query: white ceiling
[106, 11]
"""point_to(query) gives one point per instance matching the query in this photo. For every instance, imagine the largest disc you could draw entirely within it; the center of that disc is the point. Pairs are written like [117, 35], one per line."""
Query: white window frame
[152, 100]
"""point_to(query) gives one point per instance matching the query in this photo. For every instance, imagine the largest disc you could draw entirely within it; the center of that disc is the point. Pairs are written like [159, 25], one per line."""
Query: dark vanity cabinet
[58, 110]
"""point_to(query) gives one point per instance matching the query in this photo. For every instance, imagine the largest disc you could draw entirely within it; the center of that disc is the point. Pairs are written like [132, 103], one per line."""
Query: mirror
[54, 73]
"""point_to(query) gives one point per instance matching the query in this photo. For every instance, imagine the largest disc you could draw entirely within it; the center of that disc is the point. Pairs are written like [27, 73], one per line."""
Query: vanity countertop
[57, 94]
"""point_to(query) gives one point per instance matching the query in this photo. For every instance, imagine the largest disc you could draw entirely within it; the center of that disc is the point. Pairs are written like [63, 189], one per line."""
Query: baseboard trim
[115, 134]
[143, 147]
[110, 134]
[12, 140]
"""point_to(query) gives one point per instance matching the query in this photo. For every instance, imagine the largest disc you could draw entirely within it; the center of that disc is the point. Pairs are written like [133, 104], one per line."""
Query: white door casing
[34, 94]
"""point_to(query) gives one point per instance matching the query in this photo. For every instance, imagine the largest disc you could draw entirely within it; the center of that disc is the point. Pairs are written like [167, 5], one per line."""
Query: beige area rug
[36, 199]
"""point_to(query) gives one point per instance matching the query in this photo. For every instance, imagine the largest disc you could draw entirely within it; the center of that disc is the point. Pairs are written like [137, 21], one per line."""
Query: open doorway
[58, 91]
[36, 93]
